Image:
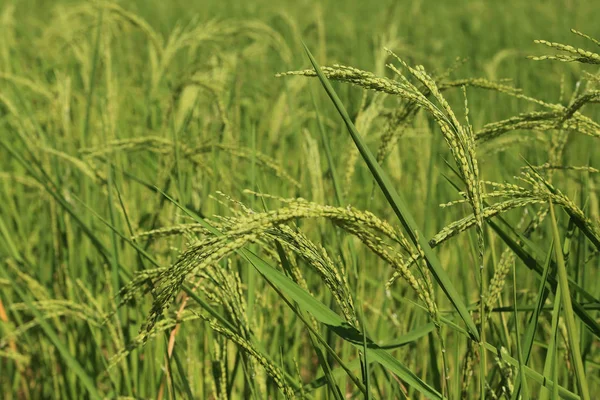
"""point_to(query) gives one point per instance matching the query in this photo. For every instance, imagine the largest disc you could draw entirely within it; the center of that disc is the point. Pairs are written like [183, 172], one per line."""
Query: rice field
[312, 200]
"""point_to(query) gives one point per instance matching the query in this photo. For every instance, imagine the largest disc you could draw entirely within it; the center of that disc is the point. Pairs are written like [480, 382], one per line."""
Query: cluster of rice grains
[201, 261]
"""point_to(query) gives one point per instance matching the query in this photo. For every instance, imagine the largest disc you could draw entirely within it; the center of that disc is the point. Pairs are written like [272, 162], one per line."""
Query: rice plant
[185, 215]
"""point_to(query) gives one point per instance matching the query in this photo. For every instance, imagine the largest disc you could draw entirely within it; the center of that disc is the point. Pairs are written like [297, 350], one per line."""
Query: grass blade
[520, 358]
[533, 320]
[568, 310]
[550, 366]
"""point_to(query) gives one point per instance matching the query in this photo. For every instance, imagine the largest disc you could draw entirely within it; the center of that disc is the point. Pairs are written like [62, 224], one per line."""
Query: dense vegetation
[195, 204]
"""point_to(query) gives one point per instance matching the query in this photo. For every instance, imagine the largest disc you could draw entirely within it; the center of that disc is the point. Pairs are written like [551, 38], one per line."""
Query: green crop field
[299, 199]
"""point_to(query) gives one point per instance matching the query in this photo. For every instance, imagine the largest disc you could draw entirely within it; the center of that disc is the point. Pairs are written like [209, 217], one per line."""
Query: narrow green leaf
[533, 319]
[550, 365]
[365, 359]
[410, 337]
[568, 311]
[520, 357]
